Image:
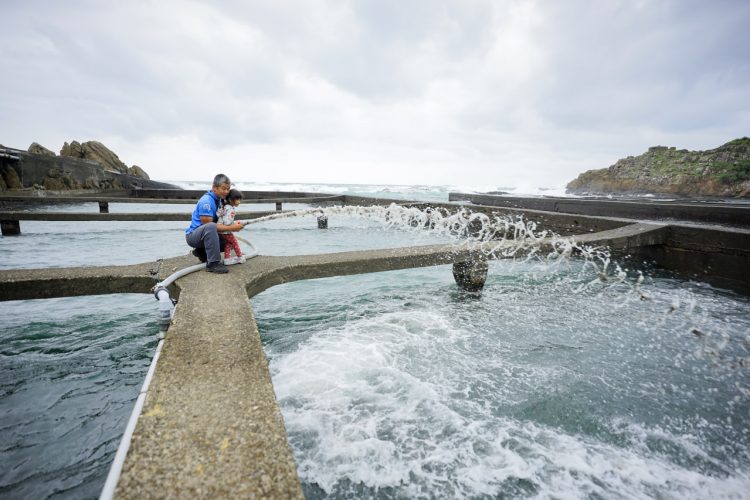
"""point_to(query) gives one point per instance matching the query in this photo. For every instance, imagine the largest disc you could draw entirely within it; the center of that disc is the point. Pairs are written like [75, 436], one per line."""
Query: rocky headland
[721, 172]
[79, 166]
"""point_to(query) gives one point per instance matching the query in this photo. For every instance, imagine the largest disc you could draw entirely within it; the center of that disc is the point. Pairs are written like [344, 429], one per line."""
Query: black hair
[234, 194]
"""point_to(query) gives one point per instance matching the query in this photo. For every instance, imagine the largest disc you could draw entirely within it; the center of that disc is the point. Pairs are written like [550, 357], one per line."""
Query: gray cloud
[666, 65]
[504, 91]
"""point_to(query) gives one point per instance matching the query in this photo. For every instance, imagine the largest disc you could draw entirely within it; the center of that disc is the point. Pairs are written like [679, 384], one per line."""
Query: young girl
[226, 216]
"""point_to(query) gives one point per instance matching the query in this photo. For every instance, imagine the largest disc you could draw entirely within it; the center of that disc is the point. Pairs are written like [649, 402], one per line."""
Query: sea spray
[430, 398]
[511, 235]
[516, 238]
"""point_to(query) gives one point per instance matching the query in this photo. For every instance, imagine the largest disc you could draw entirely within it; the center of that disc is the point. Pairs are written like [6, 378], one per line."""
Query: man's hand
[234, 226]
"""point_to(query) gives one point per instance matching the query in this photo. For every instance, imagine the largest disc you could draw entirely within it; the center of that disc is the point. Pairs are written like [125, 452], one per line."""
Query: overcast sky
[491, 93]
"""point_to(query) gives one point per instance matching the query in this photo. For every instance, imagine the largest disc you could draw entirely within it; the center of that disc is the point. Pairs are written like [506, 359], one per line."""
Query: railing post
[10, 227]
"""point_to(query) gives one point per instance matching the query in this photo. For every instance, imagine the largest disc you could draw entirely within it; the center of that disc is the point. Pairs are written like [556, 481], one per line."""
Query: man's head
[221, 186]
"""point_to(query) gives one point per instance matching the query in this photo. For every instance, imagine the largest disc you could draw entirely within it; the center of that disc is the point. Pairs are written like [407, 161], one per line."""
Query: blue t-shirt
[206, 206]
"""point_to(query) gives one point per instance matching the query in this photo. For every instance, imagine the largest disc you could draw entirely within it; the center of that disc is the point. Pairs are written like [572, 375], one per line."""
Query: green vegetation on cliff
[724, 171]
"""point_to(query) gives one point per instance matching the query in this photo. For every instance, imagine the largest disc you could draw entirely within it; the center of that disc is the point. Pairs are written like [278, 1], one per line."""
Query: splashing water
[569, 376]
[404, 387]
[497, 236]
[511, 237]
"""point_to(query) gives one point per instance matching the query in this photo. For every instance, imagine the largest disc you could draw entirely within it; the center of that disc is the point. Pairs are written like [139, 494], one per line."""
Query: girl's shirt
[225, 216]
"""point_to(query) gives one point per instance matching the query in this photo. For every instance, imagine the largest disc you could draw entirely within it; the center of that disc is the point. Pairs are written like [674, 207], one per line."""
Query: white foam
[406, 191]
[398, 400]
[360, 407]
[384, 401]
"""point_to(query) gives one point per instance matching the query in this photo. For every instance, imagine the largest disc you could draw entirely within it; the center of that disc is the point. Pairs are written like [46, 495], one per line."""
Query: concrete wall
[720, 257]
[704, 248]
[716, 213]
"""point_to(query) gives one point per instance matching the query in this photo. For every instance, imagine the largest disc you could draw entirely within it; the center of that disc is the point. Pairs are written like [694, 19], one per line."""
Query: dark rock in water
[38, 149]
[724, 171]
[470, 275]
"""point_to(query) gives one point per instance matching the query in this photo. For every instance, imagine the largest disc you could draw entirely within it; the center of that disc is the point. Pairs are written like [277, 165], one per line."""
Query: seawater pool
[70, 371]
[548, 384]
[405, 387]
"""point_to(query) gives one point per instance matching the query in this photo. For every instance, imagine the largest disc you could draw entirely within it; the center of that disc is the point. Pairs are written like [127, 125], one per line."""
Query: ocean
[564, 378]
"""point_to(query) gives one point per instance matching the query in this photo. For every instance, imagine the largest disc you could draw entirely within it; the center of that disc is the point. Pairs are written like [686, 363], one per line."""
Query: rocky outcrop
[92, 151]
[95, 151]
[724, 172]
[10, 178]
[79, 167]
[58, 179]
[137, 171]
[38, 149]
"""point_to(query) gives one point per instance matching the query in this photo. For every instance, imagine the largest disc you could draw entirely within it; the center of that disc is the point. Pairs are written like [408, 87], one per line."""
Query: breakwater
[706, 241]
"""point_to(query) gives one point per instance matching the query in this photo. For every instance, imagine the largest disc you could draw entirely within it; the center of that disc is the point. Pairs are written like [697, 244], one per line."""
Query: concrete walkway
[210, 426]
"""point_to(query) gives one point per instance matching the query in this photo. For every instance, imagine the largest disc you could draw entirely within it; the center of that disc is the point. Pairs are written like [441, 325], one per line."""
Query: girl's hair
[234, 194]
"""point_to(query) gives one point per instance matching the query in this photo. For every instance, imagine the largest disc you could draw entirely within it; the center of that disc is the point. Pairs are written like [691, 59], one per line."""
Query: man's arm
[237, 226]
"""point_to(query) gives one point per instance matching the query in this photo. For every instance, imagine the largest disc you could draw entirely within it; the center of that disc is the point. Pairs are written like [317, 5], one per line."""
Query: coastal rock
[59, 180]
[38, 149]
[73, 149]
[89, 166]
[137, 171]
[95, 151]
[724, 171]
[90, 183]
[10, 177]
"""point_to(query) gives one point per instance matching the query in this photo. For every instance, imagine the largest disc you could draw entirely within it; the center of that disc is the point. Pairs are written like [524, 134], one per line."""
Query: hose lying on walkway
[166, 311]
[114, 471]
[184, 272]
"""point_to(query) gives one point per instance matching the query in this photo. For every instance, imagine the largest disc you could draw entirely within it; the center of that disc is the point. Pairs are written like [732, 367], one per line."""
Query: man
[203, 233]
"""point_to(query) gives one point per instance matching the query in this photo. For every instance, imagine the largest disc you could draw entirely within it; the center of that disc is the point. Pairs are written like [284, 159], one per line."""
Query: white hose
[116, 469]
[165, 304]
[183, 272]
[253, 251]
[179, 274]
